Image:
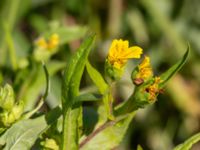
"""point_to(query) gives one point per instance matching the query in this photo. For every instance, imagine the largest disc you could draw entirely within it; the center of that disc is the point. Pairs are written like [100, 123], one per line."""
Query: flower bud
[113, 73]
[6, 97]
[143, 72]
[9, 117]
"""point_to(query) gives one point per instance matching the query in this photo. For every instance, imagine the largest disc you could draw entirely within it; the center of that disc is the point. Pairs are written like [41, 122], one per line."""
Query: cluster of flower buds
[10, 111]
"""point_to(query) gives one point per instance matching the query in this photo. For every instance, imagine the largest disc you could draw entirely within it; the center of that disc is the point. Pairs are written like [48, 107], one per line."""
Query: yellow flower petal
[134, 52]
[119, 53]
[145, 69]
[53, 41]
[153, 89]
[41, 42]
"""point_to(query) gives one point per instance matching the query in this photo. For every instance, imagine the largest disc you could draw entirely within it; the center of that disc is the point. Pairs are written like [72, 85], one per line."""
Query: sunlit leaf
[97, 78]
[103, 88]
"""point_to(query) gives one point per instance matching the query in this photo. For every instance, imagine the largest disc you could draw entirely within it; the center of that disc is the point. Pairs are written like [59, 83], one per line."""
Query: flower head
[41, 42]
[45, 48]
[154, 89]
[120, 52]
[49, 44]
[53, 41]
[142, 72]
[145, 69]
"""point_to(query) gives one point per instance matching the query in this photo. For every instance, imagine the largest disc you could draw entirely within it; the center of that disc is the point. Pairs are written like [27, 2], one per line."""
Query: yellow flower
[53, 41]
[154, 89]
[50, 44]
[120, 52]
[145, 69]
[41, 42]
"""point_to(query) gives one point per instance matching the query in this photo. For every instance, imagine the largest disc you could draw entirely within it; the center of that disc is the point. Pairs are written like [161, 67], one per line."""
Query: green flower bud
[17, 110]
[143, 95]
[113, 73]
[8, 118]
[143, 72]
[6, 97]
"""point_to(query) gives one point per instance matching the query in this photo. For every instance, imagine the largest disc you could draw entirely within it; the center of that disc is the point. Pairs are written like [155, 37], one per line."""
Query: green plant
[62, 127]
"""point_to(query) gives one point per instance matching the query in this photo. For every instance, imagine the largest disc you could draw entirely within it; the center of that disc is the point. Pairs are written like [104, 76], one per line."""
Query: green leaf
[175, 68]
[103, 88]
[88, 97]
[108, 135]
[70, 90]
[97, 78]
[23, 134]
[33, 85]
[187, 145]
[41, 102]
[74, 70]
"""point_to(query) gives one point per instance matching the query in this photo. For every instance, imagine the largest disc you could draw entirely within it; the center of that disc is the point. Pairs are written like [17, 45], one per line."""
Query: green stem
[70, 129]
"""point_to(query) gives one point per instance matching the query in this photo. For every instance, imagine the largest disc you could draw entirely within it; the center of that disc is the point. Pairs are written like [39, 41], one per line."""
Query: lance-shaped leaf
[175, 68]
[187, 145]
[23, 134]
[97, 78]
[103, 88]
[74, 70]
[70, 91]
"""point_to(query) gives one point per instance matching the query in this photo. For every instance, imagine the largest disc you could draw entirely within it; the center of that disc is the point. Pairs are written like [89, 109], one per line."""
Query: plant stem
[70, 128]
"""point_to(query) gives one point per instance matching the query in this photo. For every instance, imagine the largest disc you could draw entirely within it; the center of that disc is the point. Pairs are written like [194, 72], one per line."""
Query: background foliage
[162, 28]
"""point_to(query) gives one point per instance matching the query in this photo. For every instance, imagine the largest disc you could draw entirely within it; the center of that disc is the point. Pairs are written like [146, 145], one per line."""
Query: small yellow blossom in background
[50, 44]
[145, 69]
[41, 42]
[153, 89]
[45, 48]
[53, 41]
[120, 52]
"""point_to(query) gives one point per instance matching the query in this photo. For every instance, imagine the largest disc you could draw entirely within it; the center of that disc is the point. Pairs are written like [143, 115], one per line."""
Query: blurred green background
[163, 28]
